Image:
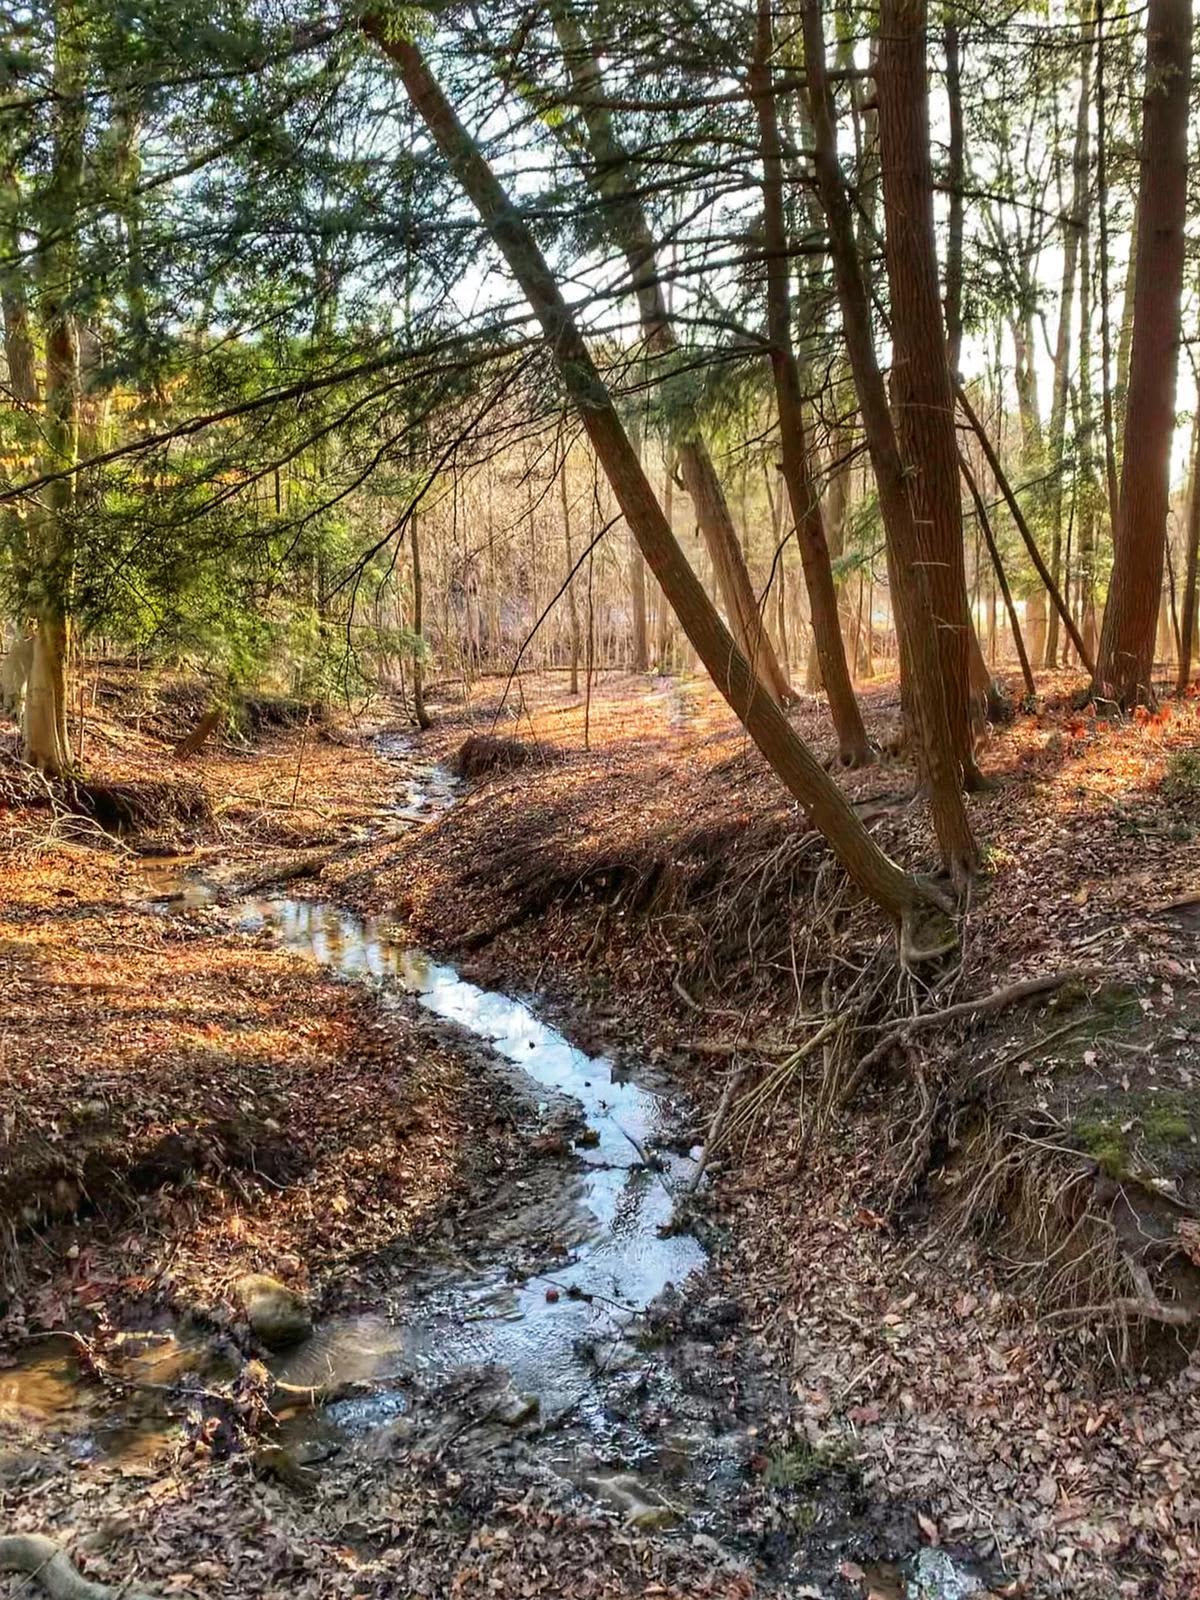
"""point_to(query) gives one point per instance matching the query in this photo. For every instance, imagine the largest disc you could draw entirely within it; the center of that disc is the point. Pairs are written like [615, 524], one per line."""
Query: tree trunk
[662, 629]
[955, 177]
[1001, 577]
[922, 395]
[936, 748]
[1072, 228]
[1187, 620]
[854, 748]
[898, 892]
[418, 619]
[18, 335]
[612, 176]
[637, 583]
[52, 539]
[572, 602]
[1018, 516]
[44, 726]
[1086, 488]
[1123, 671]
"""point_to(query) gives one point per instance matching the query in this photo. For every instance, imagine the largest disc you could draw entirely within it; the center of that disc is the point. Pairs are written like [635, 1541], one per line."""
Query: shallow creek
[567, 1264]
[535, 1337]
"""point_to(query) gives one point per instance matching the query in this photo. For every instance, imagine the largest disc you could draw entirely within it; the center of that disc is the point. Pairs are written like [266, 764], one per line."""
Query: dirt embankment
[979, 1257]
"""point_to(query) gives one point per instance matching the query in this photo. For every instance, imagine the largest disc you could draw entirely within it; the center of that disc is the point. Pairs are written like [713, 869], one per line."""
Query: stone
[654, 1517]
[279, 1317]
[520, 1409]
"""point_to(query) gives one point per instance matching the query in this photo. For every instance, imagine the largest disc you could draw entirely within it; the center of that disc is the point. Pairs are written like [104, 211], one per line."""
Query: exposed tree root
[48, 1563]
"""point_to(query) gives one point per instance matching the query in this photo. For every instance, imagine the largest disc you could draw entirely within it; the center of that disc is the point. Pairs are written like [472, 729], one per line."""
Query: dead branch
[46, 1561]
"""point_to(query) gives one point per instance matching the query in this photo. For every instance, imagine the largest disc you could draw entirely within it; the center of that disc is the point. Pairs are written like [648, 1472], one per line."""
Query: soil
[869, 1373]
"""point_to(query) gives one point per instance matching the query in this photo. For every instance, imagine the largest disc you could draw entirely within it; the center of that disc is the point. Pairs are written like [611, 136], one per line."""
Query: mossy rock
[279, 1317]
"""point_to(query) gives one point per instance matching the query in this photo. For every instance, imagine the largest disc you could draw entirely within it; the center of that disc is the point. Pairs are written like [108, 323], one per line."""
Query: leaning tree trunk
[897, 891]
[1125, 664]
[854, 747]
[936, 748]
[922, 392]
[613, 177]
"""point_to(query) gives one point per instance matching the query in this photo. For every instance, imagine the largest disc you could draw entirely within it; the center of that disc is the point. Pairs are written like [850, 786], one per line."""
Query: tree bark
[52, 538]
[637, 583]
[1087, 495]
[854, 748]
[1187, 620]
[616, 182]
[922, 395]
[1124, 667]
[955, 176]
[418, 583]
[1073, 225]
[897, 891]
[937, 753]
[572, 602]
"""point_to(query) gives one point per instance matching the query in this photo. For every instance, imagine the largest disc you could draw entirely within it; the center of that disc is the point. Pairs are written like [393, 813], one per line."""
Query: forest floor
[932, 1306]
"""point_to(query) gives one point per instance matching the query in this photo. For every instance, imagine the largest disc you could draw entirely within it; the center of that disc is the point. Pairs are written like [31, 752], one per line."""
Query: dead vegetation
[483, 753]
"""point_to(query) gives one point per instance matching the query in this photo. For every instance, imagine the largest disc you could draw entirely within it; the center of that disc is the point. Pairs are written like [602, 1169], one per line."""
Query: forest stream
[576, 1324]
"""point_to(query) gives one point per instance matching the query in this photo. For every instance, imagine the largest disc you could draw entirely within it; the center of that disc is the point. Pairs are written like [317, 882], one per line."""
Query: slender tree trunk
[18, 333]
[662, 630]
[1086, 491]
[418, 584]
[52, 541]
[614, 178]
[922, 395]
[937, 748]
[898, 892]
[1001, 577]
[1018, 516]
[637, 580]
[955, 175]
[1187, 621]
[572, 602]
[854, 747]
[1106, 393]
[1072, 229]
[1124, 667]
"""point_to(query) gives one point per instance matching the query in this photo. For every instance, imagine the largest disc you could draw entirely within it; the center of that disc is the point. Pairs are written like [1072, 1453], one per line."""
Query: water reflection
[620, 1252]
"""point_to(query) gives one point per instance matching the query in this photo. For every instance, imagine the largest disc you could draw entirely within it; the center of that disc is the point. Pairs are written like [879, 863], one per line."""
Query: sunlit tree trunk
[922, 391]
[52, 536]
[418, 622]
[1187, 619]
[896, 891]
[1072, 228]
[1124, 666]
[937, 749]
[853, 745]
[572, 602]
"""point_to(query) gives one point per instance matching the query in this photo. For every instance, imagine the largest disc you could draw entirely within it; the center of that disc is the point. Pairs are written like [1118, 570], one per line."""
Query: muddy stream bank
[572, 1326]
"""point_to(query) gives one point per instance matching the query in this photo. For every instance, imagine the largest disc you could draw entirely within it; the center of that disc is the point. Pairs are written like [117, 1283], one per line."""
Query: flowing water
[613, 1217]
[550, 1306]
[599, 1229]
